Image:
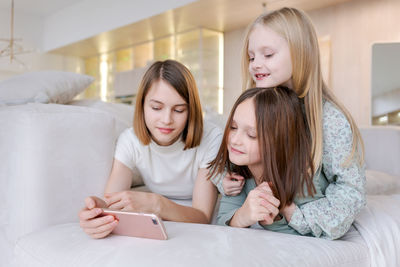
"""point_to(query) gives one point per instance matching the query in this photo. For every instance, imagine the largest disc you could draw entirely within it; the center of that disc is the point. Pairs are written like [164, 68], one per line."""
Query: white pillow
[43, 87]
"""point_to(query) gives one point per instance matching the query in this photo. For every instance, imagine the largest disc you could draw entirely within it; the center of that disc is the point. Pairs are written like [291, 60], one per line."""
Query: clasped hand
[259, 206]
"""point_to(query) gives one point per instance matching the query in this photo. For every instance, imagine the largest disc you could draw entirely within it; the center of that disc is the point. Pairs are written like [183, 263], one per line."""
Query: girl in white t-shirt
[169, 146]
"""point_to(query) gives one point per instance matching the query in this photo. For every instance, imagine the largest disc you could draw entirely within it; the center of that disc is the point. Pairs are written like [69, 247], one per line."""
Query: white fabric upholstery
[381, 183]
[189, 245]
[52, 157]
[382, 148]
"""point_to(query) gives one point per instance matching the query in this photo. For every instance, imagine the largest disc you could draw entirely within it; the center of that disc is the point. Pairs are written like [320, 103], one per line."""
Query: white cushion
[382, 148]
[189, 245]
[43, 87]
[381, 183]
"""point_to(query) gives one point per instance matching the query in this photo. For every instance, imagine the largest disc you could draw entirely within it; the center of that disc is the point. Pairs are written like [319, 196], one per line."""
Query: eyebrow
[159, 102]
[261, 48]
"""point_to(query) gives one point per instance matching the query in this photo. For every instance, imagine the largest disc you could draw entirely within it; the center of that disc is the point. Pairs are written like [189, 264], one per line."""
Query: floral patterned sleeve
[331, 216]
[217, 181]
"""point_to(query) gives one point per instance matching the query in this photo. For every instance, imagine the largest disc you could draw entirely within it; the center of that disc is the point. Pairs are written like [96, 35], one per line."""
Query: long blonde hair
[297, 29]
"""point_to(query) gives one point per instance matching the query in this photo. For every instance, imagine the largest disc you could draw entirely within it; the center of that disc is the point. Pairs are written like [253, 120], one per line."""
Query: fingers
[117, 205]
[234, 193]
[86, 214]
[270, 198]
[265, 186]
[94, 202]
[99, 227]
[90, 202]
[233, 184]
[92, 225]
[236, 177]
[113, 198]
[272, 210]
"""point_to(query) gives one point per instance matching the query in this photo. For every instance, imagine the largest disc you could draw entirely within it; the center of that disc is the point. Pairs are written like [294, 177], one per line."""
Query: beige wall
[353, 27]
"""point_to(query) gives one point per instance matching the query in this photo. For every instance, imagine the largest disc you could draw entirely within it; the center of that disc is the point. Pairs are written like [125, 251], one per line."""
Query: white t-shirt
[168, 170]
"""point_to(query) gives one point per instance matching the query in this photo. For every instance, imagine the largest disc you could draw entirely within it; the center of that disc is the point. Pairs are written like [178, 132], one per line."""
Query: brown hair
[181, 79]
[297, 29]
[284, 141]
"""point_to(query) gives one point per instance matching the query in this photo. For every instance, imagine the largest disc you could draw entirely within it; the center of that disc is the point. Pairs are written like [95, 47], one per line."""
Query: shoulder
[128, 136]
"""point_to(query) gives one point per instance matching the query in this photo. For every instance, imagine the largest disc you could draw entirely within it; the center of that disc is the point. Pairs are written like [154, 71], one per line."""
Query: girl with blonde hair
[281, 48]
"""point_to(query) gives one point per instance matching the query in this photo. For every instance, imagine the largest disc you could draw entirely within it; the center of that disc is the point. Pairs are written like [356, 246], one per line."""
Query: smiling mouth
[236, 151]
[260, 76]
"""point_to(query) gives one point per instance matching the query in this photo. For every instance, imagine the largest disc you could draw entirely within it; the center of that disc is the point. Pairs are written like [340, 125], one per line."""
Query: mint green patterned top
[340, 192]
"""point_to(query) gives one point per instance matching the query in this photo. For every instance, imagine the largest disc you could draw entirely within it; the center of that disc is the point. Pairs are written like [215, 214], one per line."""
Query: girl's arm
[203, 203]
[332, 216]
[204, 198]
[120, 178]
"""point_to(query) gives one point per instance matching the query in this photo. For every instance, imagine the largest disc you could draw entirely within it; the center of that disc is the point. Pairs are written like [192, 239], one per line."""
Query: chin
[264, 84]
[236, 161]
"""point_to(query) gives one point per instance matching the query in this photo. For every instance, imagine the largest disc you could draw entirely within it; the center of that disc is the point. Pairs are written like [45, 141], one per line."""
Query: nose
[167, 117]
[235, 138]
[256, 63]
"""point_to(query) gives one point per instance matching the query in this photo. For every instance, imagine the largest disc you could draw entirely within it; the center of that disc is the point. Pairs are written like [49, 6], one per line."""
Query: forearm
[120, 178]
[171, 211]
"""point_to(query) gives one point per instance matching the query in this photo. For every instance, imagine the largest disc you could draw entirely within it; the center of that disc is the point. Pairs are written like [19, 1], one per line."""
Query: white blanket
[379, 226]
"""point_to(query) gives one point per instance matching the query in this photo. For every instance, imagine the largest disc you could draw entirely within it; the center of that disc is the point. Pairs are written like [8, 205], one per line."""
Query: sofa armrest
[52, 157]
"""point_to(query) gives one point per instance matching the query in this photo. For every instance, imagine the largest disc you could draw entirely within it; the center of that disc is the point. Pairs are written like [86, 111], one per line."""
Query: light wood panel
[220, 15]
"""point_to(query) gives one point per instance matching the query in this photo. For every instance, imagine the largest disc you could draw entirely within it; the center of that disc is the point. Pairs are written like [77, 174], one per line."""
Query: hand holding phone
[136, 224]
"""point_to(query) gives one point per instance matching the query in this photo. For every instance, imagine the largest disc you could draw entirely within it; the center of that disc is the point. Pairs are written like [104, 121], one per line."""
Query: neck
[257, 172]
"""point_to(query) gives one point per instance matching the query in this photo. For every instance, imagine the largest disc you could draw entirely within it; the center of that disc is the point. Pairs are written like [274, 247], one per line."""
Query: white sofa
[53, 156]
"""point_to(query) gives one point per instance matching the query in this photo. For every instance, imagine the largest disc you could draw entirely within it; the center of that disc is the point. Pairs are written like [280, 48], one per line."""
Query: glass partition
[385, 84]
[118, 73]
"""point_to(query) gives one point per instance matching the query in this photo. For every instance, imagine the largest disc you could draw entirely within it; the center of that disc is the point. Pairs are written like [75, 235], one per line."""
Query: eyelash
[176, 110]
[251, 59]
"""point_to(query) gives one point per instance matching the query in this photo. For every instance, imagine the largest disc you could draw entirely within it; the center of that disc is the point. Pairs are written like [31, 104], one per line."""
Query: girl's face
[165, 113]
[243, 145]
[269, 55]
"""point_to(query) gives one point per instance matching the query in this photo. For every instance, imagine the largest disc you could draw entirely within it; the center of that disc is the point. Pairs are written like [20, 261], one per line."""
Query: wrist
[288, 211]
[158, 203]
[237, 220]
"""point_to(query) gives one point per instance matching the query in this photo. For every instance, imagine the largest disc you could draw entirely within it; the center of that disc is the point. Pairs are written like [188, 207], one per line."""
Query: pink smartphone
[137, 224]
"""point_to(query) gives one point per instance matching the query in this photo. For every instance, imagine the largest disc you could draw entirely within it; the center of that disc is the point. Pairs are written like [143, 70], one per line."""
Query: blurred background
[115, 41]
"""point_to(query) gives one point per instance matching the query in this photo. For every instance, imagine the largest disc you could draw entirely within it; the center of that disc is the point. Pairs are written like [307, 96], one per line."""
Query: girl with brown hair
[169, 146]
[266, 141]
